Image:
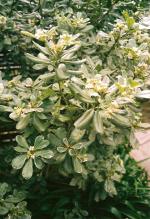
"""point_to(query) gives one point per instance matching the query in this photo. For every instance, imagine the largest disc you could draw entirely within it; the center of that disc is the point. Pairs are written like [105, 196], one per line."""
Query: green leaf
[41, 48]
[4, 187]
[98, 122]
[115, 212]
[26, 216]
[85, 119]
[78, 62]
[9, 205]
[60, 133]
[130, 20]
[67, 166]
[17, 196]
[45, 154]
[61, 149]
[77, 134]
[72, 152]
[27, 171]
[23, 122]
[46, 93]
[3, 210]
[28, 34]
[77, 165]
[38, 163]
[44, 77]
[82, 144]
[21, 141]
[87, 28]
[40, 143]
[60, 157]
[5, 109]
[18, 162]
[110, 187]
[130, 214]
[20, 149]
[54, 141]
[85, 97]
[62, 72]
[38, 124]
[64, 118]
[120, 120]
[39, 66]
[37, 60]
[133, 83]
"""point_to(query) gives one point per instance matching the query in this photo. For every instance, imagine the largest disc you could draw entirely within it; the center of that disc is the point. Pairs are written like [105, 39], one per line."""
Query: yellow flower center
[31, 152]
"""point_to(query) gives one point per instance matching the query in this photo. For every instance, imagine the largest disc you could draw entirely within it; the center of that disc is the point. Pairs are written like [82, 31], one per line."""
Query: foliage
[12, 204]
[76, 111]
[22, 15]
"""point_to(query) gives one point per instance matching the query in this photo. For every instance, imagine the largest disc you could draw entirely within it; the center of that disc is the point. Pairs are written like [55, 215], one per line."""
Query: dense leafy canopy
[81, 71]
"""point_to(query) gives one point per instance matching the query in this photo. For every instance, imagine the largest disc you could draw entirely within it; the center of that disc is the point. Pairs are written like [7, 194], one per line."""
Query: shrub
[75, 117]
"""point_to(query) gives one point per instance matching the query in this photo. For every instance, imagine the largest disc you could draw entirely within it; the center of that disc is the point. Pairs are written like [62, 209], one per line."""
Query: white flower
[40, 33]
[31, 152]
[56, 47]
[98, 84]
[68, 39]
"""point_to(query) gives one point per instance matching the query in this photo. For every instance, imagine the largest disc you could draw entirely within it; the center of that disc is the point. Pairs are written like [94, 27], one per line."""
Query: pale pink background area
[143, 151]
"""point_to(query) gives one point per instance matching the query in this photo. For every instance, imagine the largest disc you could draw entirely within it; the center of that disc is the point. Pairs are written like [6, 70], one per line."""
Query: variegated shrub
[85, 103]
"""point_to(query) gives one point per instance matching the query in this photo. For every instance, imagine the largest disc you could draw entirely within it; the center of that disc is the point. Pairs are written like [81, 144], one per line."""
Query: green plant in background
[12, 204]
[77, 109]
